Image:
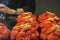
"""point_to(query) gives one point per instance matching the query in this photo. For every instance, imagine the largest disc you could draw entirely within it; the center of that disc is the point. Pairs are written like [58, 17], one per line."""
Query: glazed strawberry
[43, 36]
[46, 24]
[24, 31]
[46, 15]
[13, 35]
[52, 37]
[20, 36]
[4, 31]
[50, 26]
[27, 16]
[57, 31]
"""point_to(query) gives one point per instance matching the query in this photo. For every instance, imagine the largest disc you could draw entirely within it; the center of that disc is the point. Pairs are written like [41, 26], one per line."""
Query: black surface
[47, 5]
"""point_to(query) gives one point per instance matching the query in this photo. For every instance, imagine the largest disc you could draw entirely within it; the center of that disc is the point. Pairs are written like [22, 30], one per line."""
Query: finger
[2, 5]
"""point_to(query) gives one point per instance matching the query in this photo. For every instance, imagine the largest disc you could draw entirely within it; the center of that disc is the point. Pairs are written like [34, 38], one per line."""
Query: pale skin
[5, 9]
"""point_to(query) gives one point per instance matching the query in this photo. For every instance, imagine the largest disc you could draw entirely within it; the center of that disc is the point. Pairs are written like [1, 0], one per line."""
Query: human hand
[3, 8]
[20, 10]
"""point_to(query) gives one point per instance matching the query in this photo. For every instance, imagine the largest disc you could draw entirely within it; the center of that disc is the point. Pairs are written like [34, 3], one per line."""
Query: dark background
[47, 5]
